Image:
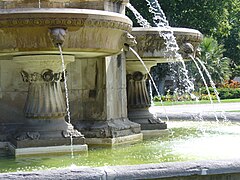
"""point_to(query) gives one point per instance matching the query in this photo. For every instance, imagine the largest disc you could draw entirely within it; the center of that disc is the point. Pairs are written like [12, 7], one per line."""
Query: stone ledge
[115, 141]
[46, 150]
[198, 170]
[154, 133]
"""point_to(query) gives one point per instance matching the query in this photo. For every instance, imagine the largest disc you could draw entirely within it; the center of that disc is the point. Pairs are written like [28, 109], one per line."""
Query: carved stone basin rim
[151, 45]
[64, 16]
[90, 33]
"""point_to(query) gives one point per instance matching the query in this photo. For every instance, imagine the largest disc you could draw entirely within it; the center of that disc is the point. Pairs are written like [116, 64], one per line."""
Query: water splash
[66, 96]
[151, 78]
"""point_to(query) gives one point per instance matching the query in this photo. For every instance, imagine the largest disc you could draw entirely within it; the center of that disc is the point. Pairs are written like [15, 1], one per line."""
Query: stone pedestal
[45, 107]
[101, 110]
[138, 96]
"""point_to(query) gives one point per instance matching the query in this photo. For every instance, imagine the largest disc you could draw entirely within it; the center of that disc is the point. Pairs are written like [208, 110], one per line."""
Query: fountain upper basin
[151, 46]
[90, 33]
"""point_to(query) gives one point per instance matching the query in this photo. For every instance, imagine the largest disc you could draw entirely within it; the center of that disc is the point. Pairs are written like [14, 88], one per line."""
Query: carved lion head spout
[128, 41]
[57, 36]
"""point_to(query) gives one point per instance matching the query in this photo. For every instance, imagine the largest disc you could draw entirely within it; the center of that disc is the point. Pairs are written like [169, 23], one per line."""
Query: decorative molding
[47, 75]
[53, 21]
[152, 42]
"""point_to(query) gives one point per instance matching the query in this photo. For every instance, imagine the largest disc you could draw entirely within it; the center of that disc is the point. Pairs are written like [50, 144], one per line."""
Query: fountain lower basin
[212, 157]
[90, 33]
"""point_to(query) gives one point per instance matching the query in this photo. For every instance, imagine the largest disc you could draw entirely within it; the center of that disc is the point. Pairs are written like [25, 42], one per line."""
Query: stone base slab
[47, 142]
[146, 119]
[108, 129]
[154, 133]
[46, 150]
[115, 141]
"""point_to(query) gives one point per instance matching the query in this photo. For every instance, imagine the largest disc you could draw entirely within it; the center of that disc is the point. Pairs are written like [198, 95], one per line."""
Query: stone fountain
[151, 48]
[92, 40]
[94, 36]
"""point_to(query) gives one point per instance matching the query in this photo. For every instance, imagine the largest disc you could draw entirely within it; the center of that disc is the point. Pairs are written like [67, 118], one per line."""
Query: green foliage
[224, 93]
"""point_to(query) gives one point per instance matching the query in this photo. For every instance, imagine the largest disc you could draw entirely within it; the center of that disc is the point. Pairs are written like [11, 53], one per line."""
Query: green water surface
[186, 141]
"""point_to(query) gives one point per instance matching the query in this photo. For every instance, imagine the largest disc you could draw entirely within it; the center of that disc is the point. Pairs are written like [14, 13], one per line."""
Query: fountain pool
[186, 141]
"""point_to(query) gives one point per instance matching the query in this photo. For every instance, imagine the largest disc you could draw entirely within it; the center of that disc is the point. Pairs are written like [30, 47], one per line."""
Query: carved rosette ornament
[137, 90]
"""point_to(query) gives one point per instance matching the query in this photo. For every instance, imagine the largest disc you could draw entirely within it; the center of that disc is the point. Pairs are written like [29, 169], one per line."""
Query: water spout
[128, 41]
[57, 36]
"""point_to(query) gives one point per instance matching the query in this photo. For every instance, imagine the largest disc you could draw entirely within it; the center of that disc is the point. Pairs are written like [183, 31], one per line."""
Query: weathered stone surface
[198, 170]
[151, 45]
[147, 120]
[108, 129]
[107, 5]
[26, 31]
[208, 116]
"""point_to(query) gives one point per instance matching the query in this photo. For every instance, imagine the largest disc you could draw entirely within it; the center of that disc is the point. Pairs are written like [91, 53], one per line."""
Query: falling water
[205, 83]
[167, 33]
[213, 86]
[143, 22]
[150, 92]
[39, 4]
[210, 79]
[154, 84]
[66, 95]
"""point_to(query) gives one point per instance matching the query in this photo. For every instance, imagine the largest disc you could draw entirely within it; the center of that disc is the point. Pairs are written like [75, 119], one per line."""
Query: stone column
[138, 96]
[45, 106]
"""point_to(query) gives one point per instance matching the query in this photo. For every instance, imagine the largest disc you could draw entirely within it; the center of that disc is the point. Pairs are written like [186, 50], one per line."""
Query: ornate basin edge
[64, 17]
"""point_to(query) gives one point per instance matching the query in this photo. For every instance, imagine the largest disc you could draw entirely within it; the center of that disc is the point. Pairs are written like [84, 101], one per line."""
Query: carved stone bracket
[45, 97]
[137, 90]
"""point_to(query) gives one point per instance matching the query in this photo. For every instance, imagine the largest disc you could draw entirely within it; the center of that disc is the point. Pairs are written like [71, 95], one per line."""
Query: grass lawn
[169, 103]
